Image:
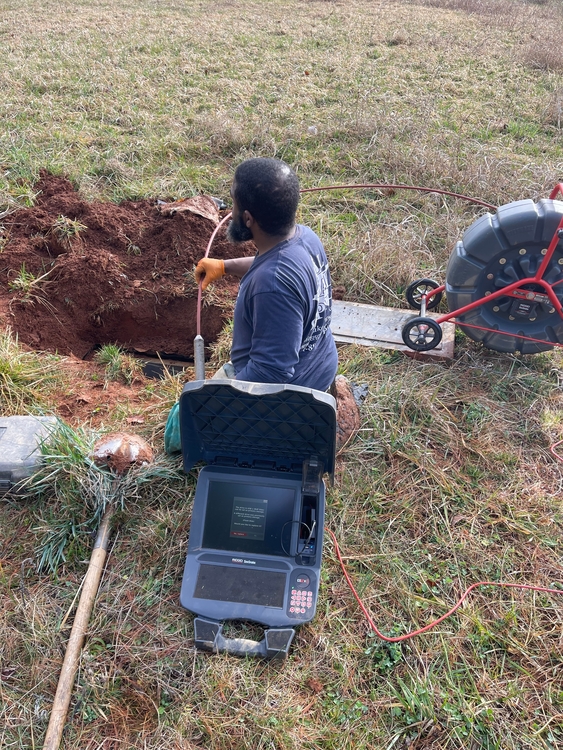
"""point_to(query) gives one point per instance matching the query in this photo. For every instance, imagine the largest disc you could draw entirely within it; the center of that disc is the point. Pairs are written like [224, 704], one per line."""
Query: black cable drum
[497, 250]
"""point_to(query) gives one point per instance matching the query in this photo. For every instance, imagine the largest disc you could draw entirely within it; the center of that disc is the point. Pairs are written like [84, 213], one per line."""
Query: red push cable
[554, 452]
[433, 624]
[208, 248]
[401, 187]
[412, 634]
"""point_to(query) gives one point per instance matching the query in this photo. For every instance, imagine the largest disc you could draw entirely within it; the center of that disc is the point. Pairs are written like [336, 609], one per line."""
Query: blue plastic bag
[172, 441]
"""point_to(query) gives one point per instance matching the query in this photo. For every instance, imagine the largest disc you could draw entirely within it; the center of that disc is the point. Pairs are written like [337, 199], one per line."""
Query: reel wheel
[498, 250]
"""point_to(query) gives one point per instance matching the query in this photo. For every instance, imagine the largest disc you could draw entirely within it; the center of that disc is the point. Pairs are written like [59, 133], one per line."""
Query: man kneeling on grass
[281, 331]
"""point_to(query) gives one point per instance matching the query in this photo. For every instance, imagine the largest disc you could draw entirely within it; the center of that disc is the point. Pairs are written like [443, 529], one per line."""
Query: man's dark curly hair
[269, 190]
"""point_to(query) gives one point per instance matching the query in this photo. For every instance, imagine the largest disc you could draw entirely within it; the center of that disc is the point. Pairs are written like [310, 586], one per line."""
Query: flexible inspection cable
[554, 452]
[461, 324]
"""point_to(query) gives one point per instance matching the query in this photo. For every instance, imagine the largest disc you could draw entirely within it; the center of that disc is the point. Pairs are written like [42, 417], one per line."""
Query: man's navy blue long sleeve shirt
[281, 330]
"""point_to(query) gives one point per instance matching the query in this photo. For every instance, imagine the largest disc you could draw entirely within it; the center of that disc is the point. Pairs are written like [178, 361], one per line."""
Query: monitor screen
[242, 517]
[265, 588]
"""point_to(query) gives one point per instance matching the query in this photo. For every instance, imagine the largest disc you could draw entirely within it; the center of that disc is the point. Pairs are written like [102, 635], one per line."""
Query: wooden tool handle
[77, 635]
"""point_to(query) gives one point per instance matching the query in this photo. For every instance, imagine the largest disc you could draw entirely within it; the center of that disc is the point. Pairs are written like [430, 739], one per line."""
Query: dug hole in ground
[76, 275]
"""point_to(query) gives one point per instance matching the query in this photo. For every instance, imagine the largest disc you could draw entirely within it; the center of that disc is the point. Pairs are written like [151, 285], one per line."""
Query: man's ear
[247, 218]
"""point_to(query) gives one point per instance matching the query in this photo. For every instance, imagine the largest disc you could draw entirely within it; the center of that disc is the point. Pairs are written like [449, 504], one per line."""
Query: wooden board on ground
[369, 325]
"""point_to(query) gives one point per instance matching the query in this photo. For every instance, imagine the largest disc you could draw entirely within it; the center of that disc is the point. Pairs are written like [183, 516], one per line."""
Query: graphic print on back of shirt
[321, 321]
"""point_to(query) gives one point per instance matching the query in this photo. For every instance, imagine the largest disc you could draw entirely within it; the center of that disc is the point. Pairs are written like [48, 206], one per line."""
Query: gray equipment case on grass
[20, 438]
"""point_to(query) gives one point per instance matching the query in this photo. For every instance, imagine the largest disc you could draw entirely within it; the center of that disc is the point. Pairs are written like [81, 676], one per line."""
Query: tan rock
[121, 450]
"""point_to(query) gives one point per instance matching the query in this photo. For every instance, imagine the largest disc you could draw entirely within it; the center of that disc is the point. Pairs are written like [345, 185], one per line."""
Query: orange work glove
[209, 269]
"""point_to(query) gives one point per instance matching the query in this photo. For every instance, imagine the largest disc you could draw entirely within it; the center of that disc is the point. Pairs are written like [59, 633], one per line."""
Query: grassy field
[450, 479]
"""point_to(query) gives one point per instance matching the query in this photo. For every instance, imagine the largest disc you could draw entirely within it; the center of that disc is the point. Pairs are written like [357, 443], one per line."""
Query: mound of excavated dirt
[115, 274]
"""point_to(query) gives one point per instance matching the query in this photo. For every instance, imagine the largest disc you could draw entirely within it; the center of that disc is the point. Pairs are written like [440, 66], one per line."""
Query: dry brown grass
[545, 53]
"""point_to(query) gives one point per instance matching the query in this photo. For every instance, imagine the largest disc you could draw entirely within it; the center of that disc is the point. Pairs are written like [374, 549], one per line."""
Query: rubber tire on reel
[417, 289]
[497, 250]
[421, 334]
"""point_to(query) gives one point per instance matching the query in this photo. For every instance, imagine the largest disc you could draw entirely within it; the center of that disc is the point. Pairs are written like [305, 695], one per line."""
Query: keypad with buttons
[301, 604]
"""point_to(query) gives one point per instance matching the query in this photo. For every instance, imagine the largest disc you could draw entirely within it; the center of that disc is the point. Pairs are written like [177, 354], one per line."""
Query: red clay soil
[87, 398]
[126, 278]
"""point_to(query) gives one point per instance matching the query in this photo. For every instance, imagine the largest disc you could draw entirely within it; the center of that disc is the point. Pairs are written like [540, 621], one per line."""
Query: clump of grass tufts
[162, 395]
[26, 378]
[24, 281]
[118, 364]
[65, 230]
[31, 288]
[76, 491]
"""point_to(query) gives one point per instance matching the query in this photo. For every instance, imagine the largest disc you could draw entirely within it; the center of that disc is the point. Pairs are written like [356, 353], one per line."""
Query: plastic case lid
[256, 425]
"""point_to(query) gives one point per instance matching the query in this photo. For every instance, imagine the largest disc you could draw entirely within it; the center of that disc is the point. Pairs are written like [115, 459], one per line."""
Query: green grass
[118, 365]
[449, 480]
[180, 96]
[26, 378]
